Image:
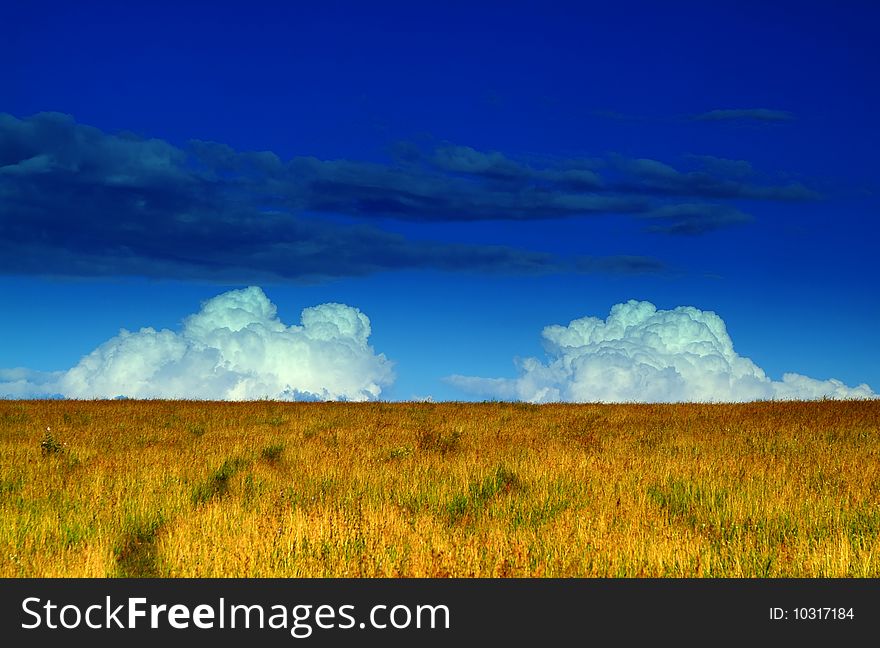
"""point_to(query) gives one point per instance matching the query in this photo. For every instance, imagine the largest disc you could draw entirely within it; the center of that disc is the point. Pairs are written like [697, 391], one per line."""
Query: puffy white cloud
[641, 354]
[234, 348]
[26, 383]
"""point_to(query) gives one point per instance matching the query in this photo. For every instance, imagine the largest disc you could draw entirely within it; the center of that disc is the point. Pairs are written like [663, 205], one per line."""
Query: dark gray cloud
[746, 114]
[75, 200]
[464, 159]
[694, 219]
[652, 176]
[632, 265]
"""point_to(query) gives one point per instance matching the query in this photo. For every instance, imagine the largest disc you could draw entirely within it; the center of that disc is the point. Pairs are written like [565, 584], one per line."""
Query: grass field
[157, 488]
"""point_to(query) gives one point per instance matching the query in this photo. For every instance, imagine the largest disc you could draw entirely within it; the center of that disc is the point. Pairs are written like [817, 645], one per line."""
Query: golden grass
[158, 488]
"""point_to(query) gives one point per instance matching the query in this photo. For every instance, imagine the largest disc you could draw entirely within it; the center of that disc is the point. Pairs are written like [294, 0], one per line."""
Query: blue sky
[464, 174]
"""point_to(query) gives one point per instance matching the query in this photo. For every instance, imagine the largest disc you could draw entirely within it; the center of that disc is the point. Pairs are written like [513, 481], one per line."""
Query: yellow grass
[160, 488]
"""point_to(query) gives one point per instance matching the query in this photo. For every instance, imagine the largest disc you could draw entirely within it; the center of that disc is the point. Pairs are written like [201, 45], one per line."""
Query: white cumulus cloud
[234, 348]
[641, 354]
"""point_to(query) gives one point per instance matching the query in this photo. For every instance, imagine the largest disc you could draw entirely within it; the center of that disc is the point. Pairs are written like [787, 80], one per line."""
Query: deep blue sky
[766, 110]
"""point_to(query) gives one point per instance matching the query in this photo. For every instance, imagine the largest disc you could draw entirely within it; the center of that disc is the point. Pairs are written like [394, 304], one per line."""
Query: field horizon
[126, 488]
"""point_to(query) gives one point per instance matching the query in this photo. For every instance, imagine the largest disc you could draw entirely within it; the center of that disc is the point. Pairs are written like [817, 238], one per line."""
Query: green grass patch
[480, 492]
[217, 484]
[136, 554]
[272, 453]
